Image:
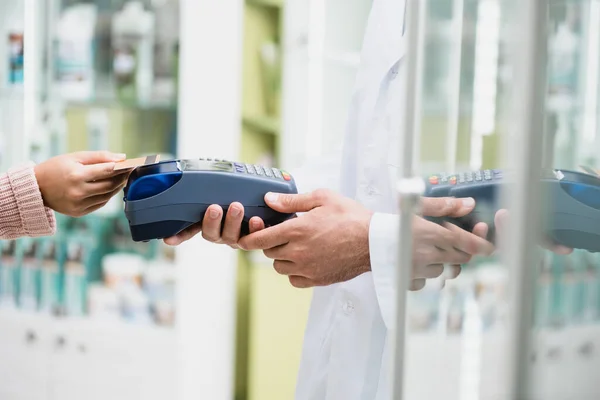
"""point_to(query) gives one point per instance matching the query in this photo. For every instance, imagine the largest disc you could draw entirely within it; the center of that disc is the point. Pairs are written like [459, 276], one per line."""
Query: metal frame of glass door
[529, 61]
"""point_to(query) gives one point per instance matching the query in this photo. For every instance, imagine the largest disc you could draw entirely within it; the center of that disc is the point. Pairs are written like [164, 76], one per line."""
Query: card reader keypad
[465, 178]
[255, 169]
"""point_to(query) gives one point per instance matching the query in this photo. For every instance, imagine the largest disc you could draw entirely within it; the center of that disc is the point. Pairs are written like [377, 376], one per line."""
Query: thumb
[97, 157]
[292, 203]
[446, 206]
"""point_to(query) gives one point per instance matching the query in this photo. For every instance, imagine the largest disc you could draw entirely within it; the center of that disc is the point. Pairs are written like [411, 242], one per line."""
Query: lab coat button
[348, 307]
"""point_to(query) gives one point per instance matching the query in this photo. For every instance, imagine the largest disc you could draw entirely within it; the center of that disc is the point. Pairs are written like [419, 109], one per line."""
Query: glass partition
[462, 332]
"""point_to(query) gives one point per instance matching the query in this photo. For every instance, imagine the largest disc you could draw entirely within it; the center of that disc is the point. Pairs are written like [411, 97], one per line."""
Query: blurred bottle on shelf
[8, 275]
[133, 51]
[50, 276]
[30, 274]
[12, 26]
[564, 55]
[75, 52]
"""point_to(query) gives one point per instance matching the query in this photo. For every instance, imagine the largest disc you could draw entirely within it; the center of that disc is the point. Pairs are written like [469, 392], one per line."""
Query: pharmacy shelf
[263, 124]
[113, 102]
[267, 3]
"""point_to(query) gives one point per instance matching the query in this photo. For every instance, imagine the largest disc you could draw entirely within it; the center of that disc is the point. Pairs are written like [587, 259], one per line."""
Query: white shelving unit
[50, 358]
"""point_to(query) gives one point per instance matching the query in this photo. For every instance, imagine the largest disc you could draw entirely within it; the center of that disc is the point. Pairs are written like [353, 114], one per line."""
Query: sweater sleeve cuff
[384, 233]
[23, 206]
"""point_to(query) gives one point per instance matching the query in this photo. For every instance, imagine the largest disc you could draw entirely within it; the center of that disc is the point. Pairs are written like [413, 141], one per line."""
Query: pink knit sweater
[22, 210]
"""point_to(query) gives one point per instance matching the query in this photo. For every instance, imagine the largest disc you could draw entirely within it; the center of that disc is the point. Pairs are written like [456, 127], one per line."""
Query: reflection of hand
[79, 183]
[501, 222]
[435, 245]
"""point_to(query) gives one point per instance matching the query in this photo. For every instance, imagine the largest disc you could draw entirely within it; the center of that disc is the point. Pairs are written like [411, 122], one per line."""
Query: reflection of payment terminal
[163, 199]
[570, 203]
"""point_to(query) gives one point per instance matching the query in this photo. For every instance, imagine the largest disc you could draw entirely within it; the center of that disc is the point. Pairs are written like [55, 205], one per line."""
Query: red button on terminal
[286, 176]
[434, 180]
[453, 180]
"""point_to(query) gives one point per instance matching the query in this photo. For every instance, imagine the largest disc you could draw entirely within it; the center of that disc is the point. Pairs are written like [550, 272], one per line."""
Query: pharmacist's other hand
[501, 222]
[77, 184]
[217, 228]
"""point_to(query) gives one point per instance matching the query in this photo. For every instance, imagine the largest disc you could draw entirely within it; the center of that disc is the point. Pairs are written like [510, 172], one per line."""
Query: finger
[278, 253]
[233, 224]
[268, 238]
[184, 235]
[96, 157]
[469, 243]
[96, 172]
[256, 224]
[417, 284]
[446, 206]
[102, 198]
[438, 236]
[481, 229]
[501, 219]
[284, 267]
[105, 185]
[452, 256]
[293, 203]
[452, 271]
[211, 223]
[560, 250]
[300, 282]
[429, 271]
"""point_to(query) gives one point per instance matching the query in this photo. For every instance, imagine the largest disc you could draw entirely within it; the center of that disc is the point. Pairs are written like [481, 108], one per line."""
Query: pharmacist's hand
[217, 228]
[77, 184]
[501, 222]
[435, 245]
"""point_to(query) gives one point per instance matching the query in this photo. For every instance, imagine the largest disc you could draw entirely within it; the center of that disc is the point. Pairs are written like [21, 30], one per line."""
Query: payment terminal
[570, 203]
[164, 198]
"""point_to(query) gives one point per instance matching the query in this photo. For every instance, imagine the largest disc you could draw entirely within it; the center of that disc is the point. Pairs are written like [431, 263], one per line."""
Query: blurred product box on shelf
[30, 274]
[50, 276]
[8, 274]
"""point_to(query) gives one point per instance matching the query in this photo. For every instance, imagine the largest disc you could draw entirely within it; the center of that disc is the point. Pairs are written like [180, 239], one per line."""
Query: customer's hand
[79, 183]
[330, 242]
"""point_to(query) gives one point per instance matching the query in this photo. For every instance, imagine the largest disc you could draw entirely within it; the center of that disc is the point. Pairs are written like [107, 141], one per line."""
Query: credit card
[133, 163]
[590, 170]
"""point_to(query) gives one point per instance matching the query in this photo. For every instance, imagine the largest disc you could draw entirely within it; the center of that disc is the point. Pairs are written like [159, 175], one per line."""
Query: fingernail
[214, 214]
[235, 212]
[272, 197]
[468, 202]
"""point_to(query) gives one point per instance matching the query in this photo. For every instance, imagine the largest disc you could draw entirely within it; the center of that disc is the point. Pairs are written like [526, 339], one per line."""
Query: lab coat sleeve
[383, 247]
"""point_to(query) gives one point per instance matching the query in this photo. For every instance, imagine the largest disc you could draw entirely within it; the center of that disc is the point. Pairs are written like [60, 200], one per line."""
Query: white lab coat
[347, 349]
